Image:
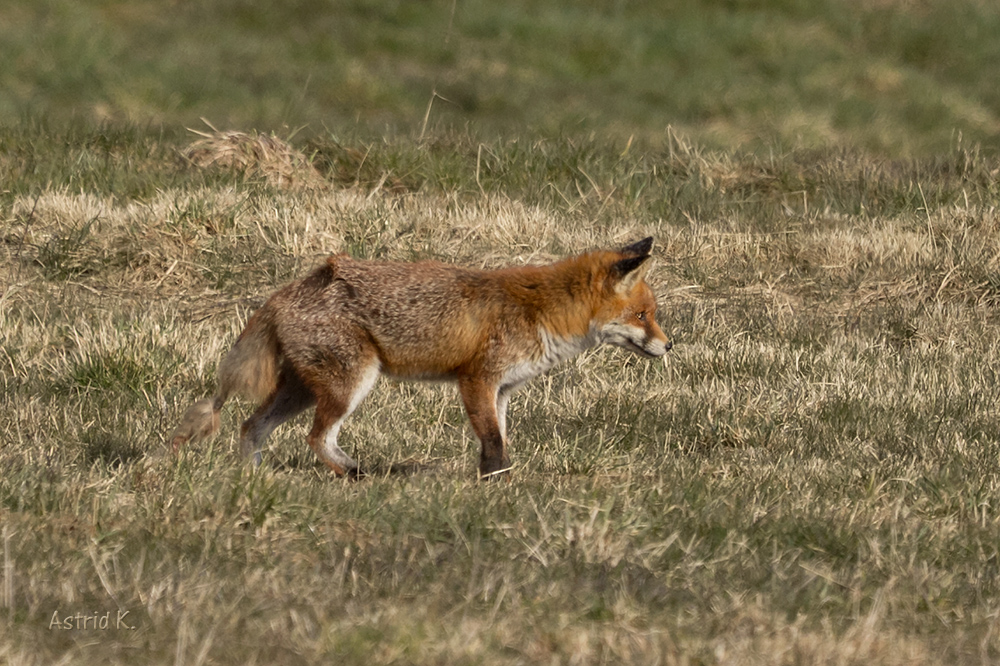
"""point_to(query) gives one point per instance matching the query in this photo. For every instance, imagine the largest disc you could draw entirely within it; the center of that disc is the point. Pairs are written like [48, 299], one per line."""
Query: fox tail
[251, 368]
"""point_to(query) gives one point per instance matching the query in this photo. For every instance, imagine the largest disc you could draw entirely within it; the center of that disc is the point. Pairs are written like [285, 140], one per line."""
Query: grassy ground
[895, 76]
[811, 477]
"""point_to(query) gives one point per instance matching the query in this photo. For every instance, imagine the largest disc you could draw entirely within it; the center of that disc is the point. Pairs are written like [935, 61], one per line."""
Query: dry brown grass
[254, 155]
[810, 478]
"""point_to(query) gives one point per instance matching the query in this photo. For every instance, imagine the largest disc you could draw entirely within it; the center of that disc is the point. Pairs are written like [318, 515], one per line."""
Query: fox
[324, 340]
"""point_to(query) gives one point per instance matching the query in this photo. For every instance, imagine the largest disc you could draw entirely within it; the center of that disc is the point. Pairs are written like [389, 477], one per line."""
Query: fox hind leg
[335, 401]
[290, 398]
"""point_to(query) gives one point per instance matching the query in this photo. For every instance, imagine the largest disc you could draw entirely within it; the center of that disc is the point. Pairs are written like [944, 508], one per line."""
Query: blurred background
[893, 77]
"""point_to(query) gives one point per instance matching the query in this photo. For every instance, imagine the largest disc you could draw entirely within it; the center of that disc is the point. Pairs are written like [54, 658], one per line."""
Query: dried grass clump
[255, 155]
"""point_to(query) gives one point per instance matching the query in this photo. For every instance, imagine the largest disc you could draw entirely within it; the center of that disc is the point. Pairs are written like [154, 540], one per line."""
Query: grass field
[898, 77]
[811, 476]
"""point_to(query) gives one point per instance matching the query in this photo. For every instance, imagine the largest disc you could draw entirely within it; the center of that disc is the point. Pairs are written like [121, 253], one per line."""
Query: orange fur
[324, 339]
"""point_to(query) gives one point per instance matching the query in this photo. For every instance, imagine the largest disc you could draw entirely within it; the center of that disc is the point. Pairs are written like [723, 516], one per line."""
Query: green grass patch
[891, 77]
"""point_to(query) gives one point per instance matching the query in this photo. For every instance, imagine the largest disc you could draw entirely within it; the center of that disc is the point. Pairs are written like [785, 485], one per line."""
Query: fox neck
[557, 348]
[572, 283]
[553, 349]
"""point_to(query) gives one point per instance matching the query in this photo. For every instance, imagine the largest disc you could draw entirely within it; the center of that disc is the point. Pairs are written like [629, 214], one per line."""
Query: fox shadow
[371, 470]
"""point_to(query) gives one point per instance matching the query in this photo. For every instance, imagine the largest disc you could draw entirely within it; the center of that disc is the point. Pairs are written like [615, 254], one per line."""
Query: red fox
[324, 340]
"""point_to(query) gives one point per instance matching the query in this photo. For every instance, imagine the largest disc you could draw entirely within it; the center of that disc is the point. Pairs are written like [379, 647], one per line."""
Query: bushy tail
[200, 420]
[250, 368]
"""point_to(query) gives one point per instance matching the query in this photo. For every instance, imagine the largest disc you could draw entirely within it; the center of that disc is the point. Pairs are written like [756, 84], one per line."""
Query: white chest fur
[554, 350]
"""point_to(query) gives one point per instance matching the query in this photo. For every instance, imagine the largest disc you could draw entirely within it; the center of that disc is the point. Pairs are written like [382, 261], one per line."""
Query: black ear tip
[639, 248]
[623, 267]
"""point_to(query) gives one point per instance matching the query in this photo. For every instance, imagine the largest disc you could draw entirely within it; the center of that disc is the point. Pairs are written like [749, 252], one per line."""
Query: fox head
[628, 309]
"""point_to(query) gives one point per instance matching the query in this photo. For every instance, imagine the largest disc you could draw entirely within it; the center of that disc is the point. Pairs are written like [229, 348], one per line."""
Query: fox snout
[655, 342]
[666, 346]
[650, 342]
[657, 346]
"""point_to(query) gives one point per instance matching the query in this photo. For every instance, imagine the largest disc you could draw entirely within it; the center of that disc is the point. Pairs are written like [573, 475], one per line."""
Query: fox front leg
[480, 398]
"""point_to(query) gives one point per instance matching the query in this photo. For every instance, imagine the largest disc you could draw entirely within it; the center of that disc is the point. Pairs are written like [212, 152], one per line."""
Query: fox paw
[493, 470]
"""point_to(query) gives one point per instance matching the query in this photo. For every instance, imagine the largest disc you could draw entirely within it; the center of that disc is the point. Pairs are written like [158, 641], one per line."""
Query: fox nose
[669, 345]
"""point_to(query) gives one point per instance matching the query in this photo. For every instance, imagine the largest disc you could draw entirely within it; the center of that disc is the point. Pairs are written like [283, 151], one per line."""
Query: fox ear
[638, 248]
[625, 273]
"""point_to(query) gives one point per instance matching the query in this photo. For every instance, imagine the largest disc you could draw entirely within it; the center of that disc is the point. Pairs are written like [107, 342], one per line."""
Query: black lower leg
[493, 460]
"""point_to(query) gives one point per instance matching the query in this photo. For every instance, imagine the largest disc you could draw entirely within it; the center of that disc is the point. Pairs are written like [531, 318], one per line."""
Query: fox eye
[641, 316]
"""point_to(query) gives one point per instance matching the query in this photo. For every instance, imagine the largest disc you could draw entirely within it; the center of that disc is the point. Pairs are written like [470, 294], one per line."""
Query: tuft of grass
[253, 155]
[66, 255]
